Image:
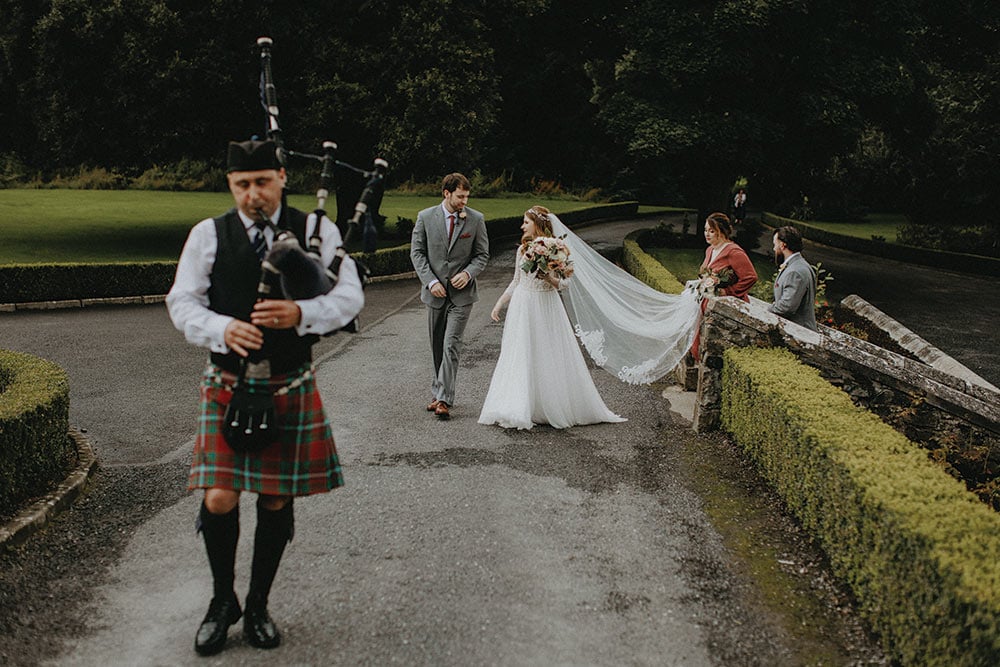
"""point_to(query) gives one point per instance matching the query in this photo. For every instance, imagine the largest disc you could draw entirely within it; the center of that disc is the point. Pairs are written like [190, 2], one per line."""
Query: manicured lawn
[139, 225]
[875, 224]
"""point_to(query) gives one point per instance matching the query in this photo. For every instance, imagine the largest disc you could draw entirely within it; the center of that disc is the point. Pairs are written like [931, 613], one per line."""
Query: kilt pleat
[302, 461]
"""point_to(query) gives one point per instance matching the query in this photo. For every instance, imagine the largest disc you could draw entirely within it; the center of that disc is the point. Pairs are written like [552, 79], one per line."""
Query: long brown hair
[543, 223]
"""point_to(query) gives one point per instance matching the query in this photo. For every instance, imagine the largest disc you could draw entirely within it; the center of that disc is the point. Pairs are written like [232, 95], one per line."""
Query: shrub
[402, 230]
[13, 172]
[185, 175]
[547, 188]
[972, 239]
[89, 178]
[918, 550]
[484, 186]
[35, 450]
[423, 189]
[20, 283]
[646, 268]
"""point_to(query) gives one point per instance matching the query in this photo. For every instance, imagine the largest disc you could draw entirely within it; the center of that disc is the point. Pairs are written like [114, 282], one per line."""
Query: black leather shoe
[211, 637]
[259, 629]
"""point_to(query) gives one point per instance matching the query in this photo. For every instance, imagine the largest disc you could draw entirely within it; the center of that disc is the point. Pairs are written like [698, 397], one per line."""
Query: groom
[449, 248]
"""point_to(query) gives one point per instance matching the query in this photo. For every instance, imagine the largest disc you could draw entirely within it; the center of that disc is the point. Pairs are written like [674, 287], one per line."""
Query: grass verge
[145, 226]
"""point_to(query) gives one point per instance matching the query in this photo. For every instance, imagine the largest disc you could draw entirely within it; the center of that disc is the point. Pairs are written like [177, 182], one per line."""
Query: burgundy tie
[451, 226]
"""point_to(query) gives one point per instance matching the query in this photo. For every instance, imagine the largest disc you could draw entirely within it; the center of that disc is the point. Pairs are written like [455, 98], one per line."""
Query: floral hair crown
[538, 214]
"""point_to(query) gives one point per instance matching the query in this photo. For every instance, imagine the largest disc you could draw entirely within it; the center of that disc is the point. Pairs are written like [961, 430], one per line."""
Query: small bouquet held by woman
[546, 255]
[710, 282]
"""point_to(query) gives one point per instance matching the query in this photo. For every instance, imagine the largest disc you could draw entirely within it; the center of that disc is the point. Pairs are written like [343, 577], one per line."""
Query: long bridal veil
[628, 328]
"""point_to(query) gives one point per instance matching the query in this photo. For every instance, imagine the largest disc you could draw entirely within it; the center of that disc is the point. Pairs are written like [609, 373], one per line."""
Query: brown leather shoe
[433, 406]
[441, 411]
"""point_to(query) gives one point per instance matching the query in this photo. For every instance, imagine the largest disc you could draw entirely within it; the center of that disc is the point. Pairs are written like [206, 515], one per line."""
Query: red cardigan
[735, 258]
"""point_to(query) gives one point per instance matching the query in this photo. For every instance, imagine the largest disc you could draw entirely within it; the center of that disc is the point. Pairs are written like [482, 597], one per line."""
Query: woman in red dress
[726, 262]
[723, 253]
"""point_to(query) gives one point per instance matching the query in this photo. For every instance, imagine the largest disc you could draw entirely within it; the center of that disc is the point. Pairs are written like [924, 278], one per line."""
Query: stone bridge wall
[919, 399]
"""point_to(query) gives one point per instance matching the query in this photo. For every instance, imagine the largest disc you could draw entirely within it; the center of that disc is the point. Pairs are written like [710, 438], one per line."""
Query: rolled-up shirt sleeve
[338, 307]
[187, 301]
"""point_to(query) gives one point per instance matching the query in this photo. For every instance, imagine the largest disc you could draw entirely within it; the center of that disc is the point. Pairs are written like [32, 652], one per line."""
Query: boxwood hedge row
[916, 548]
[35, 449]
[645, 267]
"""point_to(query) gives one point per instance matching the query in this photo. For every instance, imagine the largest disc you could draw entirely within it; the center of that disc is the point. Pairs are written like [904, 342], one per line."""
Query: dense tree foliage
[822, 105]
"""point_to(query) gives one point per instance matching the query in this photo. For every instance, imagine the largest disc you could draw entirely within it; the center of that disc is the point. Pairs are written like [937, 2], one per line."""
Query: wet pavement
[453, 543]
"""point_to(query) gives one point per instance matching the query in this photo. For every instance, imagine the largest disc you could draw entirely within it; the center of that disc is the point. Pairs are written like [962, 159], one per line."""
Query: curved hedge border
[645, 267]
[25, 283]
[941, 259]
[34, 421]
[918, 550]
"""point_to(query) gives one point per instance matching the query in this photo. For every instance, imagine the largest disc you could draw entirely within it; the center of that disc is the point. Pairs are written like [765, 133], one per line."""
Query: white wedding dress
[541, 376]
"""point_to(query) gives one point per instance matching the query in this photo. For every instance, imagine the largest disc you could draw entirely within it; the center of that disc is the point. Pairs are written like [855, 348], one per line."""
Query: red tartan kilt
[303, 461]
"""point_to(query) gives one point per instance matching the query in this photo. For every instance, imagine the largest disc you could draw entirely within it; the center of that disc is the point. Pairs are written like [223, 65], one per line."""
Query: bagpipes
[287, 270]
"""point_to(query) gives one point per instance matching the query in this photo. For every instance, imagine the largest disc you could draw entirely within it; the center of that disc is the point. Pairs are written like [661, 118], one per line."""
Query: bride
[541, 376]
[631, 330]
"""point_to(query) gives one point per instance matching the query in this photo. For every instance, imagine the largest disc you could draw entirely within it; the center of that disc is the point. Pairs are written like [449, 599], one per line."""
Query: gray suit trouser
[447, 326]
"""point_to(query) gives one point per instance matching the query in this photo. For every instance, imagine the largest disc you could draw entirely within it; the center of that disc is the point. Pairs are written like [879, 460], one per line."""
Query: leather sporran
[250, 423]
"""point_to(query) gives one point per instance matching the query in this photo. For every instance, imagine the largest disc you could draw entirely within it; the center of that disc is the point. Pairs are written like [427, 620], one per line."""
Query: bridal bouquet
[710, 282]
[546, 255]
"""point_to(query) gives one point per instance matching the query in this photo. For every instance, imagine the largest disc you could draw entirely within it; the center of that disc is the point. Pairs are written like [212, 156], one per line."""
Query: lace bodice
[528, 281]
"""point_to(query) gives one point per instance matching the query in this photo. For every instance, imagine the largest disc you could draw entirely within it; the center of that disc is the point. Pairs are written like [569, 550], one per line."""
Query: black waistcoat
[233, 291]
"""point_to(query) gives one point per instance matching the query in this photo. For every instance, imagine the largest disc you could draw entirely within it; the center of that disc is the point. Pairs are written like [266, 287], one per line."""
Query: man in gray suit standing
[795, 286]
[449, 249]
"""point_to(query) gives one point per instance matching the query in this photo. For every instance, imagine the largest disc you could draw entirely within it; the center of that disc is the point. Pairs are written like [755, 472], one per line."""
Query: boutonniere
[462, 214]
[782, 266]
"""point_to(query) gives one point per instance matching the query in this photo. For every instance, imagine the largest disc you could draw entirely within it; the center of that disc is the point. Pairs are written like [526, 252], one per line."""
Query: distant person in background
[739, 206]
[795, 286]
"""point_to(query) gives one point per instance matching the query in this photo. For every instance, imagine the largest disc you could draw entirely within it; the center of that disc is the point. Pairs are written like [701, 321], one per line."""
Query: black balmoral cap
[252, 155]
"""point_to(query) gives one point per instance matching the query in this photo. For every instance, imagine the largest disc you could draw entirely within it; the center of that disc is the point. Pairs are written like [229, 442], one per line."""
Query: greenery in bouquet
[545, 255]
[710, 281]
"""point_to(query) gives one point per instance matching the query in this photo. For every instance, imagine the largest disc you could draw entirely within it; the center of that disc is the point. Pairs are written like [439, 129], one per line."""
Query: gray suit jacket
[795, 293]
[434, 258]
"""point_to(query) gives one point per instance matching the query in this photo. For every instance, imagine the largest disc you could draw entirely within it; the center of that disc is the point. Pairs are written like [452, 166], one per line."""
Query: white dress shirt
[187, 301]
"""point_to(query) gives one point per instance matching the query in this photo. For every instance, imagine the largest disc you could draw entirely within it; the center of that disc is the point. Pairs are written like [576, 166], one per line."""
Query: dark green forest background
[826, 108]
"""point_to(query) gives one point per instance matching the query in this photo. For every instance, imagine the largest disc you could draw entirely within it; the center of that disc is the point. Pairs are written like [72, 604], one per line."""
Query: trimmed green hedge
[645, 267]
[21, 283]
[35, 449]
[918, 550]
[942, 259]
[24, 283]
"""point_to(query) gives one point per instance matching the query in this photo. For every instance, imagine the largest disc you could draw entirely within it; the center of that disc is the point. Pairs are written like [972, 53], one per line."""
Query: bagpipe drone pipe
[288, 270]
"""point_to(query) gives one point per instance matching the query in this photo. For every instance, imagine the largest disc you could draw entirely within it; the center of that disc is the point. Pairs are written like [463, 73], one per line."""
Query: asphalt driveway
[453, 543]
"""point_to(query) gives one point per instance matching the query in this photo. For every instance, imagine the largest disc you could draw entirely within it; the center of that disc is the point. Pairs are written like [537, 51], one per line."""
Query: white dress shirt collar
[248, 223]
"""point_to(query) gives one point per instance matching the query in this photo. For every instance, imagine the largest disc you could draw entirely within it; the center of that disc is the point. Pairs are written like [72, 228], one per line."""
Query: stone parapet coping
[911, 342]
